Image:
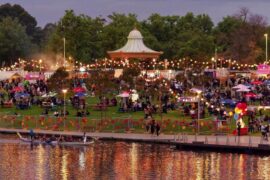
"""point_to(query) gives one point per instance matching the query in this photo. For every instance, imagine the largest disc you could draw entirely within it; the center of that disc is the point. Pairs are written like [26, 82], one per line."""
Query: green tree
[114, 34]
[58, 80]
[240, 36]
[82, 35]
[14, 42]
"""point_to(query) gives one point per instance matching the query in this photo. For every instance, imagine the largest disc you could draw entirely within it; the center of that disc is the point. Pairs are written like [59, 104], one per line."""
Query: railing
[109, 124]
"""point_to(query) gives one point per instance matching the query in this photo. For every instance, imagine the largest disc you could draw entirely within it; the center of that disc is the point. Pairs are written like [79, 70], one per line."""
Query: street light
[213, 62]
[64, 39]
[40, 61]
[266, 47]
[199, 99]
[65, 92]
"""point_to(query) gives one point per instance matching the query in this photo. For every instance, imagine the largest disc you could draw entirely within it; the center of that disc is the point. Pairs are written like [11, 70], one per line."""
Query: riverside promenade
[230, 143]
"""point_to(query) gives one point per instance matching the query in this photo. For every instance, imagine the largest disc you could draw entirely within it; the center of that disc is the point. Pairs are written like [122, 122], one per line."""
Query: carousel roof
[134, 46]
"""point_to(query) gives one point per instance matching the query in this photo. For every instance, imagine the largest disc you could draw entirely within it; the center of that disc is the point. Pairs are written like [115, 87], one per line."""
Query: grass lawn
[110, 120]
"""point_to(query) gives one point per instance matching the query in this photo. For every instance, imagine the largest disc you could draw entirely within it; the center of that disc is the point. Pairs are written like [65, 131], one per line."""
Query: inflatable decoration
[239, 111]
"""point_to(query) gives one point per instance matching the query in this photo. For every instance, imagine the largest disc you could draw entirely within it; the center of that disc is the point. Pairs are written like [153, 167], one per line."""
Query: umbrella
[256, 82]
[124, 94]
[227, 101]
[18, 89]
[250, 94]
[78, 89]
[50, 94]
[243, 90]
[80, 94]
[240, 86]
[21, 94]
[195, 90]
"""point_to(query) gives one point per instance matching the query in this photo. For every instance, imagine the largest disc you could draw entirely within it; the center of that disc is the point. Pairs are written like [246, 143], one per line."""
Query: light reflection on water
[119, 160]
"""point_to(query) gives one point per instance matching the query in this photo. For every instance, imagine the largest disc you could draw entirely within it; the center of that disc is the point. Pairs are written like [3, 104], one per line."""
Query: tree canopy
[238, 36]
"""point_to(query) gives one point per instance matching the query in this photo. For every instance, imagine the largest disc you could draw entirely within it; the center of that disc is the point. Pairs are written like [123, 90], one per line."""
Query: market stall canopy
[6, 75]
[263, 69]
[34, 76]
[134, 48]
[124, 94]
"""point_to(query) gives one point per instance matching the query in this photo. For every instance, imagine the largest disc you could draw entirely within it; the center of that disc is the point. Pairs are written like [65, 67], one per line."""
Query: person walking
[32, 134]
[152, 127]
[266, 132]
[239, 128]
[263, 131]
[157, 129]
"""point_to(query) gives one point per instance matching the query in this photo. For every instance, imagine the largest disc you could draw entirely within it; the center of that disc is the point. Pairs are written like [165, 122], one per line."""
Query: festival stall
[263, 70]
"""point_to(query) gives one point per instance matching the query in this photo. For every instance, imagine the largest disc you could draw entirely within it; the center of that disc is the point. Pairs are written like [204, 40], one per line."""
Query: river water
[121, 160]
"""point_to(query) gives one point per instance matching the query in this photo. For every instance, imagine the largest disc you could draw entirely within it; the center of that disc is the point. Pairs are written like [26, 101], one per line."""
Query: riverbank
[242, 144]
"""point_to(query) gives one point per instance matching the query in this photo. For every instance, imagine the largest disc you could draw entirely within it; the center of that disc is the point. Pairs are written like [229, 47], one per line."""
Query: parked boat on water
[55, 142]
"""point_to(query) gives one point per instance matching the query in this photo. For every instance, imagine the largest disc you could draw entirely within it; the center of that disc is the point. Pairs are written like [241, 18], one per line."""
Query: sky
[50, 11]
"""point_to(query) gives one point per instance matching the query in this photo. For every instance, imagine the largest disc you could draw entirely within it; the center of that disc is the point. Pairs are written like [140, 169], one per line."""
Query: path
[209, 141]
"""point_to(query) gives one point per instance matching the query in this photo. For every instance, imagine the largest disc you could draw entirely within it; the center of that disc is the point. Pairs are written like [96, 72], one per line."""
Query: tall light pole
[266, 47]
[40, 61]
[64, 39]
[199, 100]
[64, 113]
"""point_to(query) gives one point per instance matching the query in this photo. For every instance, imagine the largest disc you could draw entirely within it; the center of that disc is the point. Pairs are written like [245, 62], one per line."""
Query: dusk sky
[46, 11]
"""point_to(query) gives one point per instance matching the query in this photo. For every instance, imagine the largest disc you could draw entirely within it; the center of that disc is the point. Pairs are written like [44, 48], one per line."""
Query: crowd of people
[217, 99]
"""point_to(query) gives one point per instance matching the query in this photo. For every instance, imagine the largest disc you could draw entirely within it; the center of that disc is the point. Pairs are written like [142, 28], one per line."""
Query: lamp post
[198, 119]
[266, 47]
[64, 39]
[64, 91]
[213, 62]
[40, 61]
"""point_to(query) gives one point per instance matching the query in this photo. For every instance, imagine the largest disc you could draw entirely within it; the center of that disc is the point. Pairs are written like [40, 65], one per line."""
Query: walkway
[202, 141]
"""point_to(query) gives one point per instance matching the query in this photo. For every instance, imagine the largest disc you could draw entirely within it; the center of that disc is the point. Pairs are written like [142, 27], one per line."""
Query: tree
[103, 82]
[58, 80]
[114, 35]
[240, 36]
[17, 12]
[82, 35]
[14, 42]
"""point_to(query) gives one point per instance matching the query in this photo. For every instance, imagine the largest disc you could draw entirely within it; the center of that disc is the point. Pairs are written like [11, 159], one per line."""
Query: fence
[112, 124]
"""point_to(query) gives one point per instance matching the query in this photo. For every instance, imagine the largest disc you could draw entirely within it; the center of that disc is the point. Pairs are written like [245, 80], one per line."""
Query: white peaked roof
[135, 44]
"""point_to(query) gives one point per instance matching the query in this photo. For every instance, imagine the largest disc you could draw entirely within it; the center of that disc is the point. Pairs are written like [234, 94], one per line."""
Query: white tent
[240, 86]
[243, 90]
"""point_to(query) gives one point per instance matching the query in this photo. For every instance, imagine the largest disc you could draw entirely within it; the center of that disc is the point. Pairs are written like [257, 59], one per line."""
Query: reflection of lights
[134, 160]
[64, 170]
[82, 69]
[40, 164]
[82, 160]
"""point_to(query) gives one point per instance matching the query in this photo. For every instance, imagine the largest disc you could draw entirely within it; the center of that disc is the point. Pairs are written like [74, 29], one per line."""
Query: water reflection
[119, 160]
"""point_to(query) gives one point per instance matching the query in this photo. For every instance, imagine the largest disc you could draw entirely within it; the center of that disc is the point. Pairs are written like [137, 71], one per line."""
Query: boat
[28, 140]
[63, 143]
